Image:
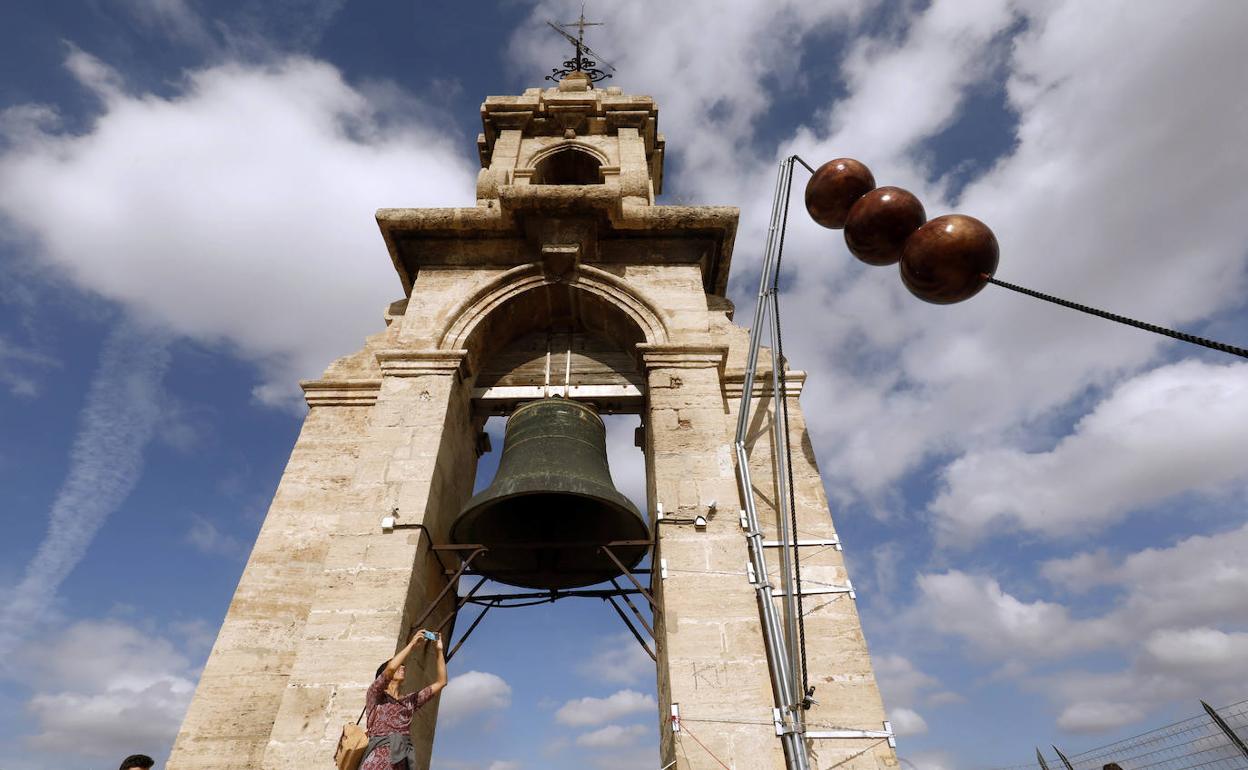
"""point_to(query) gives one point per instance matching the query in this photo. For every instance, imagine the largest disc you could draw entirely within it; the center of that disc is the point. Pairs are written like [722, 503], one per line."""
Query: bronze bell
[552, 503]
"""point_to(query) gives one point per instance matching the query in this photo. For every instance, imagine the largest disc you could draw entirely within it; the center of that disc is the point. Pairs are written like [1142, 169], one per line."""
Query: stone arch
[569, 162]
[514, 301]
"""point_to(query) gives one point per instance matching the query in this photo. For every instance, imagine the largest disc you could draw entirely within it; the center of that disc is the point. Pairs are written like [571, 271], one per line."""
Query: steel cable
[1181, 336]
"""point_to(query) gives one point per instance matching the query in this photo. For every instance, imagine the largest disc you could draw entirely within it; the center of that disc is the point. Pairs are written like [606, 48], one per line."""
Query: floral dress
[388, 716]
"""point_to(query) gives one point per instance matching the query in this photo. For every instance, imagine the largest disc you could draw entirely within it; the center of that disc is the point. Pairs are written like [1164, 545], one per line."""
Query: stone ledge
[346, 392]
[418, 363]
[682, 356]
[734, 383]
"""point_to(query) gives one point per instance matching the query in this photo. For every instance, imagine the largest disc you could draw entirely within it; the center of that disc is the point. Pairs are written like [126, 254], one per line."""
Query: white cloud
[617, 659]
[174, 19]
[975, 608]
[1174, 429]
[1174, 618]
[238, 211]
[583, 712]
[1201, 580]
[613, 737]
[105, 463]
[470, 694]
[707, 68]
[902, 685]
[501, 764]
[207, 538]
[1091, 716]
[928, 760]
[1171, 665]
[907, 721]
[106, 689]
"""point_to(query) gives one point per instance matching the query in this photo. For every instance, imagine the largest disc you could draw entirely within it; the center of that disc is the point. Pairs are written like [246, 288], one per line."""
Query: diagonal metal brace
[654, 607]
[631, 627]
[451, 582]
[467, 633]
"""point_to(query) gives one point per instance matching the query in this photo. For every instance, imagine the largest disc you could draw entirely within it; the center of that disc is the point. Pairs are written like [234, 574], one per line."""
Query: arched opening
[568, 166]
[534, 653]
[589, 337]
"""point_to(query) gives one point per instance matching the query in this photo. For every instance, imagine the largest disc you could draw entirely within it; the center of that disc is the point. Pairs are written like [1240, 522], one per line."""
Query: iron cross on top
[580, 62]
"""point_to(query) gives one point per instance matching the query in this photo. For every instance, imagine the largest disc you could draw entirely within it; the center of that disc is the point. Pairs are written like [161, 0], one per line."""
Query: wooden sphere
[945, 260]
[880, 222]
[834, 188]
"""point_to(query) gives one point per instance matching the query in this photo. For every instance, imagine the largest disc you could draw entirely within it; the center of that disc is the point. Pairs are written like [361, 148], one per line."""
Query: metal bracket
[887, 733]
[835, 542]
[848, 588]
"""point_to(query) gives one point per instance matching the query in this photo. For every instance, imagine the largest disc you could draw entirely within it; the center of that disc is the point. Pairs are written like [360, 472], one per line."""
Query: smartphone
[431, 636]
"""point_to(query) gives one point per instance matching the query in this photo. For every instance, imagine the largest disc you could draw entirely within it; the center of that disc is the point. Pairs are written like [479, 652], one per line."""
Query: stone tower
[565, 237]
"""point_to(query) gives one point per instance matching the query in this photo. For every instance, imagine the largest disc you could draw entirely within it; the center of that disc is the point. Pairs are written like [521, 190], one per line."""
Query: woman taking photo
[390, 714]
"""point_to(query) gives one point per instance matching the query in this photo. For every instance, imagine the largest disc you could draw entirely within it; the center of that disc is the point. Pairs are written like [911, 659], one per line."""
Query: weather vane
[580, 62]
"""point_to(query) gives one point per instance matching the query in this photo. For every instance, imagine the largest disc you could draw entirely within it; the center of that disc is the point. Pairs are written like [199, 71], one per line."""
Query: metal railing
[1213, 740]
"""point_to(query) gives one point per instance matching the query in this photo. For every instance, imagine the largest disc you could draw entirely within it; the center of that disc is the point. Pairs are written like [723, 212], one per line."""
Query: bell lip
[471, 507]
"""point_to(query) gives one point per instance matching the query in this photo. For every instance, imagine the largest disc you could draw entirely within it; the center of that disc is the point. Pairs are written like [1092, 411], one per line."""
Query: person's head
[398, 675]
[140, 761]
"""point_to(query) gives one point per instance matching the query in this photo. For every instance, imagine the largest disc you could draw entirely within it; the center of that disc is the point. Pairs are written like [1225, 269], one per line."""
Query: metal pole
[1040, 758]
[1224, 727]
[783, 510]
[777, 657]
[1062, 756]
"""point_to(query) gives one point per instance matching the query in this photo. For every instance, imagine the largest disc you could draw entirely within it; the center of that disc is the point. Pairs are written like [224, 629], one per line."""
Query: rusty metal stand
[530, 598]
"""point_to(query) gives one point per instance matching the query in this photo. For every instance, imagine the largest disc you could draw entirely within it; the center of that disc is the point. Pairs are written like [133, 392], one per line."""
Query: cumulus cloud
[584, 712]
[907, 721]
[103, 688]
[976, 609]
[1172, 664]
[470, 694]
[237, 211]
[708, 70]
[206, 537]
[1174, 429]
[617, 659]
[903, 686]
[612, 737]
[1173, 619]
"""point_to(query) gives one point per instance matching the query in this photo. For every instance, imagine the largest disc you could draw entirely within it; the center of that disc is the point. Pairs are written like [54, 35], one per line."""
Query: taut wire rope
[1182, 336]
[778, 363]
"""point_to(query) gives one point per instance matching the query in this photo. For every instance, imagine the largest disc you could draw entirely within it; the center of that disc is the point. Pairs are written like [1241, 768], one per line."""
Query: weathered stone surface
[393, 429]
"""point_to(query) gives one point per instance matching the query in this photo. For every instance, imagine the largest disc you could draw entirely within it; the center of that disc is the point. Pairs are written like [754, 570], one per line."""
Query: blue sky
[1043, 512]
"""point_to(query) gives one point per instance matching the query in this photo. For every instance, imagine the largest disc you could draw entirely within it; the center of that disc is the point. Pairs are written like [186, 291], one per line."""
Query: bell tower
[564, 283]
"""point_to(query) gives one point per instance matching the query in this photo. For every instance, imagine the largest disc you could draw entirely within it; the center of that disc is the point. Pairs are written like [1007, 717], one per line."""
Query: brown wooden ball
[834, 187]
[945, 260]
[878, 225]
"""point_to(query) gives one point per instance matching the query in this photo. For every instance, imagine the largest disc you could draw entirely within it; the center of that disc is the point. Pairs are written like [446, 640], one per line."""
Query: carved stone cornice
[346, 392]
[418, 363]
[734, 383]
[682, 356]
